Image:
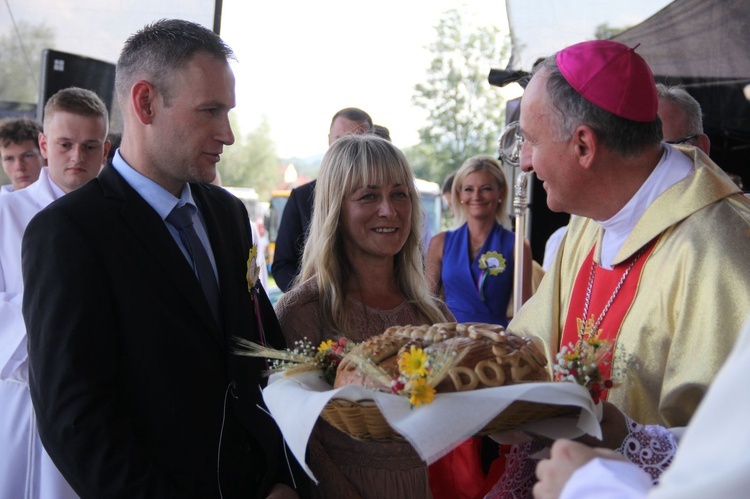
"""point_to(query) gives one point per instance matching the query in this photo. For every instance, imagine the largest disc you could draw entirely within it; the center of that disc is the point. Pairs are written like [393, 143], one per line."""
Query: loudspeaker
[63, 70]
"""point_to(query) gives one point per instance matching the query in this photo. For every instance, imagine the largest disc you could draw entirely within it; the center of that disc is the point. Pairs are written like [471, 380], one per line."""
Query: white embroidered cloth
[434, 429]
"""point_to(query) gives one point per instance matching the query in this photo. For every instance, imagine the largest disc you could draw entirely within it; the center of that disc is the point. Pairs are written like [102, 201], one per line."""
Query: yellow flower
[413, 363]
[492, 261]
[421, 393]
[325, 345]
[596, 343]
[571, 356]
[253, 271]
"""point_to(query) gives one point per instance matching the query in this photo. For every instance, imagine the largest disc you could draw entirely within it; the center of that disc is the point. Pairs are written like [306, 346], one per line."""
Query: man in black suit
[290, 240]
[134, 383]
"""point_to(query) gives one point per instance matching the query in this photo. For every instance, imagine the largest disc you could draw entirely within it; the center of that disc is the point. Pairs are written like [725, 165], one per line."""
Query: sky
[300, 61]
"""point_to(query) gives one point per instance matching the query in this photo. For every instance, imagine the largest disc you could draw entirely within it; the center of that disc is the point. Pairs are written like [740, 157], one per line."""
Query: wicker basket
[364, 421]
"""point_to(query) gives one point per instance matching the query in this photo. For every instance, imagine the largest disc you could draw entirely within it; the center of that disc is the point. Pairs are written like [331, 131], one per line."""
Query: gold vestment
[692, 299]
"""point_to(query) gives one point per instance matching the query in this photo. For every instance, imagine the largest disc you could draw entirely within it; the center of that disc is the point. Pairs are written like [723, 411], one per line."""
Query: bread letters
[489, 356]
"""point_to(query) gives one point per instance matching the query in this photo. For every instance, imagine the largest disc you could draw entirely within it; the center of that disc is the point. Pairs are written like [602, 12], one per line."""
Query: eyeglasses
[682, 141]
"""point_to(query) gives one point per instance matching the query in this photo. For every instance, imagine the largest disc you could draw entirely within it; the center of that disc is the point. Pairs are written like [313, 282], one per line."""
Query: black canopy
[704, 46]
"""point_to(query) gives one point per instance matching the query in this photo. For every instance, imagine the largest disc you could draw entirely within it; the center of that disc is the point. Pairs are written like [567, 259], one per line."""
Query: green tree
[252, 161]
[604, 31]
[21, 61]
[465, 113]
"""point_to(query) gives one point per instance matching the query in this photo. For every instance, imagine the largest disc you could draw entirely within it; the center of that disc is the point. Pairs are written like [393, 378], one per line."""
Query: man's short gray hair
[682, 99]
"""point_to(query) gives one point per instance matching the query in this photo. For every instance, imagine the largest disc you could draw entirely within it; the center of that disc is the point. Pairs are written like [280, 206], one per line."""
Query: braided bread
[489, 356]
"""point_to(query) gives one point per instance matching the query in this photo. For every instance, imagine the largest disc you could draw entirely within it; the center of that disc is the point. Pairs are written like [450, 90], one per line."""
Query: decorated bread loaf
[466, 356]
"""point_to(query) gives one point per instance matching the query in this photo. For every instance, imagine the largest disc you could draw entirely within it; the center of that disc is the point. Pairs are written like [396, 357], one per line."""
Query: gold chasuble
[687, 305]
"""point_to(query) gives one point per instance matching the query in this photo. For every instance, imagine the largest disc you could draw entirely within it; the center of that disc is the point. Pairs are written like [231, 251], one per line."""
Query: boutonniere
[490, 263]
[253, 271]
[493, 262]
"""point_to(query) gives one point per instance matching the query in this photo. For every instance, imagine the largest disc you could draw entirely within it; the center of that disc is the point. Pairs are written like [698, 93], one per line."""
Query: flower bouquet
[303, 357]
[418, 374]
[589, 363]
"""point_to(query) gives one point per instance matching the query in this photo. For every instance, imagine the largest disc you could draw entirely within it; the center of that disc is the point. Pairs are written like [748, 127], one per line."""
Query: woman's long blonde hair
[475, 164]
[354, 161]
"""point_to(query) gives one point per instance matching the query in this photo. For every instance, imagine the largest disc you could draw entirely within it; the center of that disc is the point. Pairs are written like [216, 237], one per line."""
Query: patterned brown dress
[346, 467]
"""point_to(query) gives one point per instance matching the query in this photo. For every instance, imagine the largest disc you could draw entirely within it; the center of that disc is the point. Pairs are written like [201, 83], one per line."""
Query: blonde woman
[362, 273]
[472, 265]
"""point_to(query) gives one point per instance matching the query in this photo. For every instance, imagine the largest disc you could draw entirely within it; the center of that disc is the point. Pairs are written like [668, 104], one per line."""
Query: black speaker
[63, 70]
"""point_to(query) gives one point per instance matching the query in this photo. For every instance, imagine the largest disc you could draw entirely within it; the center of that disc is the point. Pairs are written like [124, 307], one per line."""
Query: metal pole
[520, 203]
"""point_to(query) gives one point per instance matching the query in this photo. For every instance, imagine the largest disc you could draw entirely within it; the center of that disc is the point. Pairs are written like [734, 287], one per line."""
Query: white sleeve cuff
[607, 478]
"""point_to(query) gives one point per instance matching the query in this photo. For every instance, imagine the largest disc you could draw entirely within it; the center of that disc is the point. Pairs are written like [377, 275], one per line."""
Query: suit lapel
[150, 230]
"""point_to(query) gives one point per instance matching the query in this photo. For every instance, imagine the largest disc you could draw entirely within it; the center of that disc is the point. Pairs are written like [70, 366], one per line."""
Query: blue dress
[474, 294]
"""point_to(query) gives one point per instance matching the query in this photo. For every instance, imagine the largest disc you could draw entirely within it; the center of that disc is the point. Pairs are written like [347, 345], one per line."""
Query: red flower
[596, 392]
[396, 386]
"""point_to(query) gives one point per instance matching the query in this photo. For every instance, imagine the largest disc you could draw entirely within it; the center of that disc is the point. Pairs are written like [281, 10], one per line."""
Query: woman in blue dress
[472, 267]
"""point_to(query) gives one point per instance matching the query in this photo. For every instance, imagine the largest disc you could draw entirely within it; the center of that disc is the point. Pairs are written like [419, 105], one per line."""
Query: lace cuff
[650, 447]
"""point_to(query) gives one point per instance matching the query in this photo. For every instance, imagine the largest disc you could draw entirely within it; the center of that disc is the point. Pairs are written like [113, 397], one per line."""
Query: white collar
[673, 167]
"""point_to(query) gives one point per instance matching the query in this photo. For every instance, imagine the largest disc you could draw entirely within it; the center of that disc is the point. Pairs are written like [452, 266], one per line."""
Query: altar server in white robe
[19, 152]
[74, 142]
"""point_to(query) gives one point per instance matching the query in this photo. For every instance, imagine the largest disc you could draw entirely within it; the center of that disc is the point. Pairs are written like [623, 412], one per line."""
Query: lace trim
[650, 447]
[518, 478]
